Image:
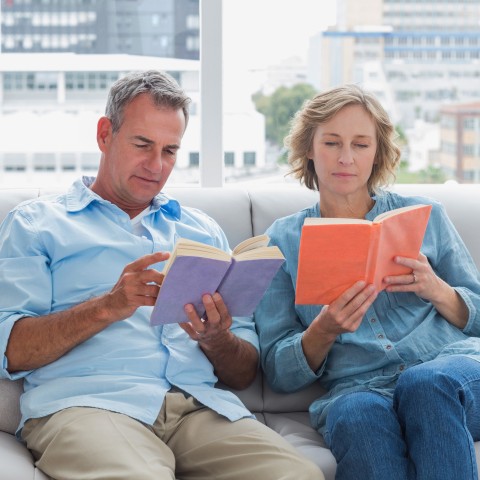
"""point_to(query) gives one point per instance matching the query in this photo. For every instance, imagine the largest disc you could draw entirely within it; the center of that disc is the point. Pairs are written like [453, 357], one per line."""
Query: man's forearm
[235, 360]
[37, 341]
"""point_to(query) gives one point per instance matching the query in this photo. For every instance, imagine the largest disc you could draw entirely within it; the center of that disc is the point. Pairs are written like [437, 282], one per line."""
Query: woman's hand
[426, 284]
[343, 315]
[423, 281]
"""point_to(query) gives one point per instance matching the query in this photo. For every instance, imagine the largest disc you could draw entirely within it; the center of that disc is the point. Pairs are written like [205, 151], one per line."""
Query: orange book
[337, 252]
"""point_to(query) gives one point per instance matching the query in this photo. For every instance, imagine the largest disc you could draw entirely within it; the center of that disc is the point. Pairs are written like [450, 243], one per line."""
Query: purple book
[188, 279]
[241, 280]
[246, 282]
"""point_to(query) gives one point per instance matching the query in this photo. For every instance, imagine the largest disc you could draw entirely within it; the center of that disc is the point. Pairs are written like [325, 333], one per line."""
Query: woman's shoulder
[295, 219]
[393, 200]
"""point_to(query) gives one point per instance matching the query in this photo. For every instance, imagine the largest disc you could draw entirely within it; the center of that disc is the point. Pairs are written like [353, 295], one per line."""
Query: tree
[280, 107]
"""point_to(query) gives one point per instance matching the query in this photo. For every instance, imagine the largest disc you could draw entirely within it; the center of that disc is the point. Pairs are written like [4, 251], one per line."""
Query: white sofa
[243, 213]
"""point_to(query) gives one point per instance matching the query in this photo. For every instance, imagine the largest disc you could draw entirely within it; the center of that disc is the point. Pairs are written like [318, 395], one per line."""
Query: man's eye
[140, 145]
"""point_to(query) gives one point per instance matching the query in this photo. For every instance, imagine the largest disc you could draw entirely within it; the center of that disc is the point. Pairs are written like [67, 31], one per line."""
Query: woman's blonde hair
[321, 109]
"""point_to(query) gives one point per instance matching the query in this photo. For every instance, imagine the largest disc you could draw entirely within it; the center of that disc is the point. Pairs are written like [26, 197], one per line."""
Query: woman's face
[343, 151]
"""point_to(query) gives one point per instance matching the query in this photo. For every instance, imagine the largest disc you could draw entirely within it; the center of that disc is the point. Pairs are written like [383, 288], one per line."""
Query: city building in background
[158, 28]
[416, 56]
[460, 147]
[57, 63]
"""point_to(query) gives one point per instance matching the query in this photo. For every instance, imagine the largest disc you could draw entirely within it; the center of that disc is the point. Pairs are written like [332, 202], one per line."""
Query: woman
[402, 365]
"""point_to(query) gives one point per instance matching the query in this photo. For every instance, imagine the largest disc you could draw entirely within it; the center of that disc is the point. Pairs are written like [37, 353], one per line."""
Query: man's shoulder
[40, 204]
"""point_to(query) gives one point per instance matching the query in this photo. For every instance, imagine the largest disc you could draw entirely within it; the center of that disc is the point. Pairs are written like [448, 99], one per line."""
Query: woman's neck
[345, 207]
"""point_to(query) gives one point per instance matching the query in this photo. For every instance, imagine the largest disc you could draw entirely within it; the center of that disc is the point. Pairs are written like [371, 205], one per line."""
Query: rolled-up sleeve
[456, 266]
[25, 277]
[280, 331]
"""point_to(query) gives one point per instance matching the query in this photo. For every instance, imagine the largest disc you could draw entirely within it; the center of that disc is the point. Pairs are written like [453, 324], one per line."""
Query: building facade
[460, 144]
[415, 55]
[57, 63]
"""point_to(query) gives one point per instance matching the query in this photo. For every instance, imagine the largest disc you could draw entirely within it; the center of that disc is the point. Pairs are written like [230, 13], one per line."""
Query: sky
[262, 32]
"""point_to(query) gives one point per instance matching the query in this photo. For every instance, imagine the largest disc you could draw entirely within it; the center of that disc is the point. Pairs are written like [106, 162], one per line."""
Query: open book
[337, 252]
[195, 269]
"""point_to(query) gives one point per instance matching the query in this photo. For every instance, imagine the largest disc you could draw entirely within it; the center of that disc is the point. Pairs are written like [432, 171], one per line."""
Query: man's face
[139, 157]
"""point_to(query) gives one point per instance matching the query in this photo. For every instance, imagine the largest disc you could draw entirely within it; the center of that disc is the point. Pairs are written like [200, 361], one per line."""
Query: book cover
[196, 269]
[336, 253]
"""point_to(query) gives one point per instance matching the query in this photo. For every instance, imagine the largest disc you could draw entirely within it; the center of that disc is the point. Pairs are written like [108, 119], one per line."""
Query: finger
[350, 293]
[407, 279]
[211, 311]
[196, 322]
[407, 262]
[187, 327]
[220, 305]
[144, 262]
[150, 276]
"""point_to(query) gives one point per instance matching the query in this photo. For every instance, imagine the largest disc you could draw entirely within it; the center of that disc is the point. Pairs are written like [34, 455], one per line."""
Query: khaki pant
[187, 441]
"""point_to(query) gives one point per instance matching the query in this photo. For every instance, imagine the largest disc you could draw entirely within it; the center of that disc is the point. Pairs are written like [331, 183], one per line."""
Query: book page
[190, 248]
[396, 211]
[259, 253]
[251, 243]
[334, 221]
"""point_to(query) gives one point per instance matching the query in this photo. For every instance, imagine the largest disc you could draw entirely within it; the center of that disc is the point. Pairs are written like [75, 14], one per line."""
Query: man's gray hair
[160, 86]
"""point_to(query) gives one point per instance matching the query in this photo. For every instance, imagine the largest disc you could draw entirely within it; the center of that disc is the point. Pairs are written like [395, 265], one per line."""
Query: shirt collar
[79, 196]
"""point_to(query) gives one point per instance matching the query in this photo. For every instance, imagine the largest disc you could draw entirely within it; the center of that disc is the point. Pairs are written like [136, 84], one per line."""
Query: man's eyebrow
[143, 139]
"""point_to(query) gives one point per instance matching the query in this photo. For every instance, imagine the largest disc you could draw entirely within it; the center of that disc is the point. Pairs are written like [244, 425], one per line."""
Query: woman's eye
[362, 145]
[331, 144]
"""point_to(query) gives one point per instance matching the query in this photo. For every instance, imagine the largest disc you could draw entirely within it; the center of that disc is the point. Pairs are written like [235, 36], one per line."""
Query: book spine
[373, 254]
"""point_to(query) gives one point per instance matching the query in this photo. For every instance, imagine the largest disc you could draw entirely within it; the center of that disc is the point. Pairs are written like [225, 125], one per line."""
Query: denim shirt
[58, 251]
[399, 330]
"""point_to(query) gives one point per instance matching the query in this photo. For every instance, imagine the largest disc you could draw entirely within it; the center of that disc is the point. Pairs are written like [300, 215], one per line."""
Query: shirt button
[401, 368]
[373, 320]
[380, 336]
[388, 347]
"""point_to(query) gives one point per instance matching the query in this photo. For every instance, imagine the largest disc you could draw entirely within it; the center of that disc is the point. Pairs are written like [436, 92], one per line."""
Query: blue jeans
[425, 433]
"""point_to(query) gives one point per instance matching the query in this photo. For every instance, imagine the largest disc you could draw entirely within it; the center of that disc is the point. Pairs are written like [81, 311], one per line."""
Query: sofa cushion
[229, 207]
[10, 392]
[16, 461]
[295, 428]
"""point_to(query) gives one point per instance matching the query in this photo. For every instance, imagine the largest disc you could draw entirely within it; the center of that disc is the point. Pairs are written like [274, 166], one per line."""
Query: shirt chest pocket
[403, 300]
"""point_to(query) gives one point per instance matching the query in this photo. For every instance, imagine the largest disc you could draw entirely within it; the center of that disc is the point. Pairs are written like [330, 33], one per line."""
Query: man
[107, 396]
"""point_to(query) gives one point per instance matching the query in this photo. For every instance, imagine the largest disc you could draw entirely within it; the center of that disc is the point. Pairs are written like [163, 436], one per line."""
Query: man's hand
[213, 328]
[234, 360]
[137, 286]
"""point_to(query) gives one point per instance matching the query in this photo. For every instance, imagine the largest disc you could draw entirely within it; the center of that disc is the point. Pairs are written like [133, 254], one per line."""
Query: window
[229, 159]
[408, 62]
[249, 158]
[193, 159]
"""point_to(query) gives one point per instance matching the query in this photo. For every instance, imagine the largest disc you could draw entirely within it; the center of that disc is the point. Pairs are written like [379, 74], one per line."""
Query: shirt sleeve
[25, 278]
[280, 331]
[455, 265]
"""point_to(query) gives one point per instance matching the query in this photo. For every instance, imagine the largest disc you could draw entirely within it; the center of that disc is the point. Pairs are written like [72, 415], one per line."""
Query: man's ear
[104, 133]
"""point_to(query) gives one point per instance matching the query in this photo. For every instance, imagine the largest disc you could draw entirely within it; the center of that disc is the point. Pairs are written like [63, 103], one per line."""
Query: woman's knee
[356, 413]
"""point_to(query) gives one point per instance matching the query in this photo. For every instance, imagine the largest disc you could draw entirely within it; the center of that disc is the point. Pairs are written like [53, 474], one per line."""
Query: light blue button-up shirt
[399, 330]
[58, 251]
